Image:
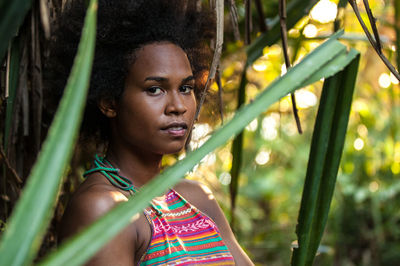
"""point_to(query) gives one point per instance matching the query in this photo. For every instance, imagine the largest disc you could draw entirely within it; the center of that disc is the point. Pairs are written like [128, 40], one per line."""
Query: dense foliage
[364, 219]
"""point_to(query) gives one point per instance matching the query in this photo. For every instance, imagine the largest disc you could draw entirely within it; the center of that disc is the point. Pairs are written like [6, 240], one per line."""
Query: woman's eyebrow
[159, 79]
[190, 78]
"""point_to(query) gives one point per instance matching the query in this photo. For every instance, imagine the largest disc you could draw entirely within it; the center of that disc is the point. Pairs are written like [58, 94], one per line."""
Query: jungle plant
[21, 240]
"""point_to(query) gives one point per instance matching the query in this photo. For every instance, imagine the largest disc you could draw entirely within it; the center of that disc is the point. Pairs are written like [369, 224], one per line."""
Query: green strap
[111, 173]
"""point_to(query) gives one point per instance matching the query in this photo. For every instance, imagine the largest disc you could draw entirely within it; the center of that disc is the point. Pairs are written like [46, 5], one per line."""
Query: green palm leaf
[326, 151]
[32, 213]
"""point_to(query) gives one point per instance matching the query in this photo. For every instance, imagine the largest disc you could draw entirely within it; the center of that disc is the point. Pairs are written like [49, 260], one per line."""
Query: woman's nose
[176, 103]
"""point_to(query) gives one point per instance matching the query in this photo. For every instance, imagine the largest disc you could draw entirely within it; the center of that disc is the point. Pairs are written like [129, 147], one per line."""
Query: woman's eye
[154, 90]
[186, 88]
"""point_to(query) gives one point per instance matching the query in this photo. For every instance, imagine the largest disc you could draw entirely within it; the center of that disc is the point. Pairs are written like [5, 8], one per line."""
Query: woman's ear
[107, 107]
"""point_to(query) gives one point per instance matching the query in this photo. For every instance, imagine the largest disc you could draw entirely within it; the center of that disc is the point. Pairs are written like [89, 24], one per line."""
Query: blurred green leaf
[31, 216]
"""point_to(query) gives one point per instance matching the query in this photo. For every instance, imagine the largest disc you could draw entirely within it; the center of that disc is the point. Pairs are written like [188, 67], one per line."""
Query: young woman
[150, 63]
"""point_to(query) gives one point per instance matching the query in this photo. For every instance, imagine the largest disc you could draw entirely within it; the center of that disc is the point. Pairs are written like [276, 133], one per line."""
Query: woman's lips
[176, 129]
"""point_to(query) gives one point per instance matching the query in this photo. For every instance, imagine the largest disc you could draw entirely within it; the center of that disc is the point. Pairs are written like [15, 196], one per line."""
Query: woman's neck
[139, 168]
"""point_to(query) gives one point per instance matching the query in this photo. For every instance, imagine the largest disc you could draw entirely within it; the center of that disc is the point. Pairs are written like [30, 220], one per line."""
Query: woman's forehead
[160, 59]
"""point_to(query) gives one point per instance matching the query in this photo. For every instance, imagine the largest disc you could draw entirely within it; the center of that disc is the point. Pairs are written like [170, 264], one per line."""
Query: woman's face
[158, 105]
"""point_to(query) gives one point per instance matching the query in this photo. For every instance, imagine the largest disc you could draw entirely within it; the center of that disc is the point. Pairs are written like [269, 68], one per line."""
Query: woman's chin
[174, 149]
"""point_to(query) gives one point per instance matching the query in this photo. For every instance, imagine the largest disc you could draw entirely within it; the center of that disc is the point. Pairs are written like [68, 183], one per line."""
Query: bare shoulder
[199, 195]
[91, 201]
[94, 198]
[196, 193]
[192, 186]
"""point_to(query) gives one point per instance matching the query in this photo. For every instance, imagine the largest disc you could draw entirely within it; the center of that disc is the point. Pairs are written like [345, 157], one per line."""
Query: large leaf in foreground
[81, 247]
[326, 150]
[33, 211]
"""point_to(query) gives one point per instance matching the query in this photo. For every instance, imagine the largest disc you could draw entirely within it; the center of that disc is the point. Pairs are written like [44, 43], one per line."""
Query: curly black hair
[123, 27]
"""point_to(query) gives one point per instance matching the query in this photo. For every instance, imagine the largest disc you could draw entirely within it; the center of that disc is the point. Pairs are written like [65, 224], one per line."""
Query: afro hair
[123, 27]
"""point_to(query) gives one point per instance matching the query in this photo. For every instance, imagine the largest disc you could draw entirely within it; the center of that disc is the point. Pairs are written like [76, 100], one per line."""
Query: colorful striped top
[181, 234]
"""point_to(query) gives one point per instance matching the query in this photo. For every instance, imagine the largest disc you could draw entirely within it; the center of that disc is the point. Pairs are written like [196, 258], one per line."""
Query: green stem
[237, 149]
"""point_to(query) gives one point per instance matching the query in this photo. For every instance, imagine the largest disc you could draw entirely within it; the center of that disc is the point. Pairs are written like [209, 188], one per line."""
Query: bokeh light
[252, 126]
[324, 11]
[358, 144]
[373, 186]
[262, 157]
[225, 178]
[259, 66]
[395, 168]
[384, 80]
[310, 31]
[362, 130]
[269, 126]
[200, 134]
[305, 99]
[393, 79]
[397, 152]
[283, 69]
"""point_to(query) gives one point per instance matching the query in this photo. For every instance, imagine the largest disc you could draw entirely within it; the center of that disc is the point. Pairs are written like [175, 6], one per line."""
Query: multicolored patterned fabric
[182, 235]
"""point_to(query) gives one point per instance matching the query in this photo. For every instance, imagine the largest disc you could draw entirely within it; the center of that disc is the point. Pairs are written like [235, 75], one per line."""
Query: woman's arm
[87, 207]
[201, 197]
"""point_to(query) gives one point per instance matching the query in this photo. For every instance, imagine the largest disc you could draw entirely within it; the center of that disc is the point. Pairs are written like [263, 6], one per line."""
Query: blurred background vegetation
[363, 226]
[364, 222]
